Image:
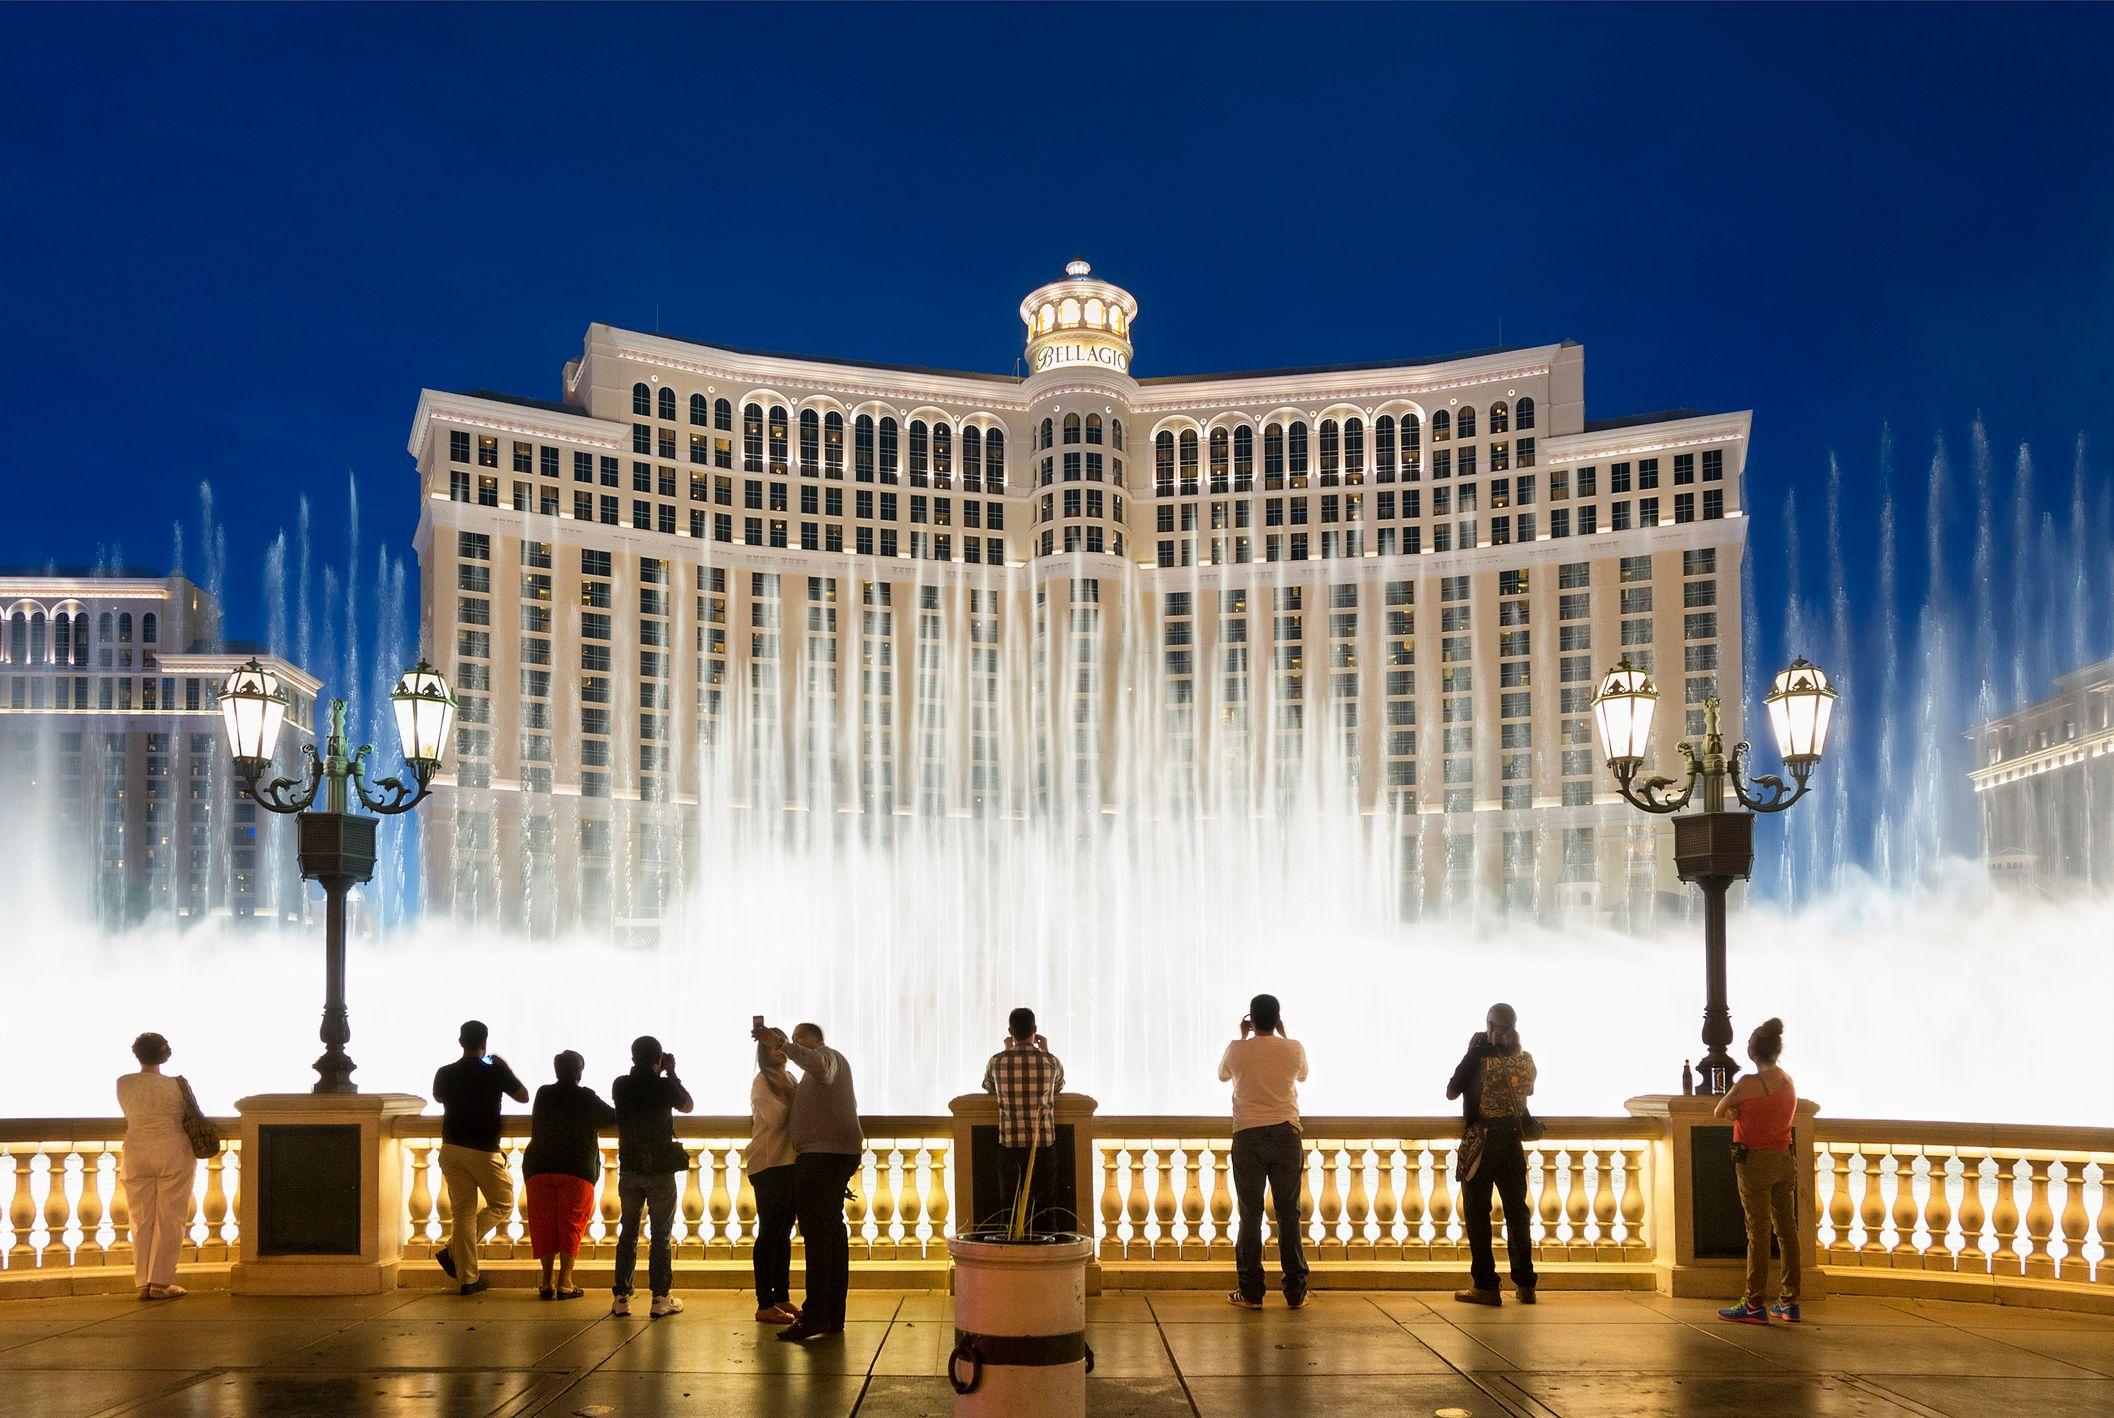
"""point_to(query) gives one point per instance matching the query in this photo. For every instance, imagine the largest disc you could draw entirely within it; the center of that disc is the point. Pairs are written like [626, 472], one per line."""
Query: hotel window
[942, 454]
[1523, 415]
[752, 438]
[667, 403]
[890, 450]
[1684, 469]
[778, 430]
[1684, 507]
[1619, 517]
[1588, 480]
[1713, 465]
[1618, 478]
[1071, 428]
[862, 456]
[1441, 426]
[1354, 450]
[1384, 448]
[810, 443]
[1187, 444]
[995, 462]
[1296, 451]
[458, 446]
[1464, 423]
[1221, 460]
[1274, 456]
[1713, 503]
[1647, 511]
[1328, 452]
[487, 451]
[642, 400]
[1647, 473]
[1703, 561]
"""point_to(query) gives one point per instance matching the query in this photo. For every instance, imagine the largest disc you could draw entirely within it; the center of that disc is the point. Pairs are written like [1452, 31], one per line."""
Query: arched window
[1243, 458]
[642, 401]
[1068, 312]
[1093, 428]
[1221, 459]
[862, 448]
[36, 638]
[1274, 454]
[1188, 446]
[1500, 418]
[778, 440]
[1464, 423]
[1354, 449]
[942, 451]
[972, 457]
[149, 628]
[1525, 410]
[124, 628]
[833, 445]
[1071, 428]
[752, 438]
[1115, 430]
[890, 452]
[995, 460]
[810, 442]
[1384, 447]
[700, 411]
[1163, 463]
[1328, 448]
[1412, 440]
[1049, 434]
[1046, 318]
[1096, 313]
[723, 415]
[18, 638]
[1296, 439]
[667, 403]
[920, 450]
[1441, 426]
[105, 628]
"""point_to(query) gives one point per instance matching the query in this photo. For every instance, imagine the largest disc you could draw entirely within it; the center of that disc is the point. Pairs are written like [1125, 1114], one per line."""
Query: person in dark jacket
[561, 1164]
[649, 1160]
[1493, 1081]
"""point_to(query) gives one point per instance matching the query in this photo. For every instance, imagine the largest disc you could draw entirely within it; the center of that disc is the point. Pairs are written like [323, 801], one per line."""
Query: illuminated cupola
[1079, 321]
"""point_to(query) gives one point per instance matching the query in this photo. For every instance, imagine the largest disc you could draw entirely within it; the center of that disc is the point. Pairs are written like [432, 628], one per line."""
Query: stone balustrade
[1901, 1207]
[1976, 1202]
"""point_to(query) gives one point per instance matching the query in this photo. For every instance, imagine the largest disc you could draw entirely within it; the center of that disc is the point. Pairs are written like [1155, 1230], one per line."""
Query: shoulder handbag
[1473, 1137]
[205, 1138]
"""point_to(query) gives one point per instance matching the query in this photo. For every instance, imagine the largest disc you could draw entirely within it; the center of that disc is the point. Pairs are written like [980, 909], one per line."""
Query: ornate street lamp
[336, 844]
[1714, 845]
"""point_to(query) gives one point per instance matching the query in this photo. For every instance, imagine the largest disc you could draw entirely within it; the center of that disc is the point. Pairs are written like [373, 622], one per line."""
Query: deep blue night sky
[240, 240]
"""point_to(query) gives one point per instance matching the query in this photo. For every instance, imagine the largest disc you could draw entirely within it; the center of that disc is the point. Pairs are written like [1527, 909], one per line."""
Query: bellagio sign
[1058, 356]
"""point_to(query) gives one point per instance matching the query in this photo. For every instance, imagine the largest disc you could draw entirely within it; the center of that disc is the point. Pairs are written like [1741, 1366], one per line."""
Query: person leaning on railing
[1761, 1106]
[829, 1146]
[158, 1167]
[1025, 1078]
[1494, 1079]
[563, 1159]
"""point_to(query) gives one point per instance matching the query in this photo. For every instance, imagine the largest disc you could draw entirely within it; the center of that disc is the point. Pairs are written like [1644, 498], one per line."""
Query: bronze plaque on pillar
[309, 1189]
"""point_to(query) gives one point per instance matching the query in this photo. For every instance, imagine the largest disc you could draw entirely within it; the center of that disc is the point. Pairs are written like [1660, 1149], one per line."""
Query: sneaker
[1492, 1298]
[445, 1258]
[1525, 1294]
[1785, 1310]
[1296, 1301]
[665, 1305]
[475, 1287]
[621, 1307]
[1744, 1313]
[1239, 1301]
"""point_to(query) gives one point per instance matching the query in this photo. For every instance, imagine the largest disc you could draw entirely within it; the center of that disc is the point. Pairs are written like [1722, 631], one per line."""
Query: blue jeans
[657, 1196]
[1273, 1155]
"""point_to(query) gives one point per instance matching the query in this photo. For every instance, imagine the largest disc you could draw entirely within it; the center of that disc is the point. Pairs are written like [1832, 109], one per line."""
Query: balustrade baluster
[2005, 1259]
[1329, 1156]
[1871, 1211]
[609, 1206]
[1576, 1207]
[1443, 1244]
[2105, 1273]
[1112, 1156]
[1414, 1244]
[1841, 1249]
[1357, 1204]
[120, 1213]
[194, 1230]
[234, 1174]
[743, 1229]
[2040, 1222]
[20, 1212]
[1135, 1208]
[859, 1207]
[1937, 1212]
[89, 1209]
[1971, 1259]
[1166, 1201]
[720, 1205]
[1904, 1253]
[1547, 1207]
[1221, 1203]
[1387, 1245]
[512, 1239]
[418, 1200]
[1194, 1244]
[883, 1245]
[213, 1246]
[912, 1211]
[2073, 1265]
[1602, 1166]
[55, 1251]
[1634, 1240]
[936, 1202]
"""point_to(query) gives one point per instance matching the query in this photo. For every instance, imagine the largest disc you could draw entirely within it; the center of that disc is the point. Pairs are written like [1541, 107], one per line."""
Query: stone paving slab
[1159, 1354]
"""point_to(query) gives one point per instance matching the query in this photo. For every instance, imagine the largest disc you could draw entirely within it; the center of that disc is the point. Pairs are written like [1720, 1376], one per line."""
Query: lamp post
[1714, 845]
[336, 844]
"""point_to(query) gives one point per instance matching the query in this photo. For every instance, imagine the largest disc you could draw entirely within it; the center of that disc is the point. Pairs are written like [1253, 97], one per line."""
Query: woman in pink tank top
[1762, 1106]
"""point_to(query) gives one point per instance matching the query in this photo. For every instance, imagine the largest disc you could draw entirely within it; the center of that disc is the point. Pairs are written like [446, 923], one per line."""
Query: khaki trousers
[1769, 1196]
[158, 1178]
[469, 1173]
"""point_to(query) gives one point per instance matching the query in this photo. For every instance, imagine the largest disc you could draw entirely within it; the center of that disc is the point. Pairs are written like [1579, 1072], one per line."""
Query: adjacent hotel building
[2044, 776]
[766, 582]
[112, 763]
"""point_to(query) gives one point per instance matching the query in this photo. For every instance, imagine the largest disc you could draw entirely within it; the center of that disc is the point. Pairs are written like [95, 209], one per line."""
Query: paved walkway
[1179, 1354]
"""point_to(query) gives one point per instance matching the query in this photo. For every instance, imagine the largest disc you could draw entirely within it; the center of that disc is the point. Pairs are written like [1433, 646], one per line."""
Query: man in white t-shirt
[1265, 1067]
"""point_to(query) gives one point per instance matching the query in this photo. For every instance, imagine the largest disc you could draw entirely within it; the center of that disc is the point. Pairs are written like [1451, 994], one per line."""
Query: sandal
[573, 1294]
[544, 1292]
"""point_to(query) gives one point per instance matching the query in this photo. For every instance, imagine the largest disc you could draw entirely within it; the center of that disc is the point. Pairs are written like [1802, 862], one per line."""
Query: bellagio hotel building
[711, 580]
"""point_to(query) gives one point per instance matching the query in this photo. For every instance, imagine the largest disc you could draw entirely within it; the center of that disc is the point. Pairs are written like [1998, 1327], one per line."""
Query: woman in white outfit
[158, 1168]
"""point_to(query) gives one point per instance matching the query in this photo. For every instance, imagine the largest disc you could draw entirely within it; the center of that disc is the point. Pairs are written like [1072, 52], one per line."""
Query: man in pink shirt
[1265, 1067]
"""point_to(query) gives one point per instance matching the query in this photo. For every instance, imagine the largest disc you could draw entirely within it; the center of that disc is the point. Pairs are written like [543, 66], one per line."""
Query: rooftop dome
[1079, 321]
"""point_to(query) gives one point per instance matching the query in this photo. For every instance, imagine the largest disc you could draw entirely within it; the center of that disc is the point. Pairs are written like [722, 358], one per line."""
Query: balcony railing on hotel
[2012, 1204]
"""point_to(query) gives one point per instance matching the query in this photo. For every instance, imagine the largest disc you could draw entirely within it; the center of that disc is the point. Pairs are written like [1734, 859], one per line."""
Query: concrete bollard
[1020, 1327]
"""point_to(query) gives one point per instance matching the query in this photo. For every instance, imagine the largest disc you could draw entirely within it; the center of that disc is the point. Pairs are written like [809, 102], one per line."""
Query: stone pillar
[322, 1204]
[1698, 1234]
[1075, 1126]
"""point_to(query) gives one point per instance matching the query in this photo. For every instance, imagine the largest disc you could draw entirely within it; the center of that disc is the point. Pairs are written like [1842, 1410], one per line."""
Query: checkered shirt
[1026, 1082]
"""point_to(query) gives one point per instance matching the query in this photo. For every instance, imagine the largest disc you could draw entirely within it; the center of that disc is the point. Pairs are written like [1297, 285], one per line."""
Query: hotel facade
[713, 579]
[111, 752]
[2044, 779]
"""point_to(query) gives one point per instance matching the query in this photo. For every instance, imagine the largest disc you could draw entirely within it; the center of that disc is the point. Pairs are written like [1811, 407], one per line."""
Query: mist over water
[1911, 987]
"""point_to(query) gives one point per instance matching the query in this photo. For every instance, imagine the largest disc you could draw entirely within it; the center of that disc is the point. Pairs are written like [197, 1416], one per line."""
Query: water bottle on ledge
[1688, 1080]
